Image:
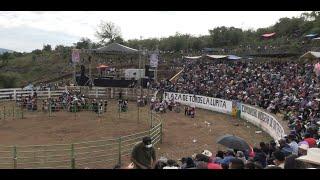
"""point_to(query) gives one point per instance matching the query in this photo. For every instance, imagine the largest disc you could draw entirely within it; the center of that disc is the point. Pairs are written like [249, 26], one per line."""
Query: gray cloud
[27, 39]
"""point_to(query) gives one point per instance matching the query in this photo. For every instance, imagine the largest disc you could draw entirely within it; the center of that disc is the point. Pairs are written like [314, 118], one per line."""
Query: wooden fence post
[111, 93]
[49, 93]
[15, 94]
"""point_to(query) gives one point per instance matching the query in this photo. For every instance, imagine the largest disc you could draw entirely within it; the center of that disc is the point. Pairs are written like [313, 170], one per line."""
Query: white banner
[263, 120]
[203, 102]
[75, 55]
[154, 60]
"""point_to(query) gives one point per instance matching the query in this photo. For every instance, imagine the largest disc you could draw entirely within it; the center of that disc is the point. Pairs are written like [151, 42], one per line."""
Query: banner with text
[263, 120]
[203, 102]
[75, 55]
[154, 60]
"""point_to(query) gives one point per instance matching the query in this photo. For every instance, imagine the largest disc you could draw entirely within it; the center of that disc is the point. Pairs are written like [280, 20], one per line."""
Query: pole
[138, 113]
[21, 112]
[73, 161]
[4, 112]
[119, 152]
[74, 73]
[13, 112]
[50, 108]
[119, 109]
[161, 133]
[14, 157]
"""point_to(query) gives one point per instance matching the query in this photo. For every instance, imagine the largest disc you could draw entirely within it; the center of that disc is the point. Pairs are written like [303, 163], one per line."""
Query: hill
[2, 50]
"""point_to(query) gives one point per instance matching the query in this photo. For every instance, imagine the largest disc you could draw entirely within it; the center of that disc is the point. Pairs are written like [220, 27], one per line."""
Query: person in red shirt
[311, 141]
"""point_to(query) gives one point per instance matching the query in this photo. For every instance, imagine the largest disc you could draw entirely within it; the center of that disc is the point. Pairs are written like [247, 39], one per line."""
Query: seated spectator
[240, 155]
[285, 148]
[293, 144]
[253, 165]
[227, 158]
[236, 163]
[311, 141]
[260, 157]
[292, 163]
[171, 164]
[187, 163]
[279, 158]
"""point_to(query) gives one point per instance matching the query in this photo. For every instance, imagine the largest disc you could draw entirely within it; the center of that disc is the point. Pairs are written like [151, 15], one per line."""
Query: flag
[75, 55]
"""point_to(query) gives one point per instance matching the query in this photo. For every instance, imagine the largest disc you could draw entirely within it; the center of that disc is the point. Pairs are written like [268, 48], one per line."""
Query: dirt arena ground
[182, 135]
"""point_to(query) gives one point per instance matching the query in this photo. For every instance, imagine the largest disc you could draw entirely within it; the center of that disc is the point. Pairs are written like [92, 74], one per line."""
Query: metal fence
[104, 153]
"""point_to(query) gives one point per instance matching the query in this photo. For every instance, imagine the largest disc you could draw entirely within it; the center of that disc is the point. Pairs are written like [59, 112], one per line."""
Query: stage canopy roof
[192, 57]
[311, 55]
[116, 48]
[217, 56]
[267, 35]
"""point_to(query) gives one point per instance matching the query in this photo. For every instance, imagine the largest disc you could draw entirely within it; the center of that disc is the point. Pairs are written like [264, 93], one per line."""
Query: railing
[95, 92]
[103, 153]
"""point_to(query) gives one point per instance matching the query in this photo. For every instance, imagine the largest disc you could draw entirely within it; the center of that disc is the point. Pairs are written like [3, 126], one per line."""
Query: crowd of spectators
[280, 154]
[286, 88]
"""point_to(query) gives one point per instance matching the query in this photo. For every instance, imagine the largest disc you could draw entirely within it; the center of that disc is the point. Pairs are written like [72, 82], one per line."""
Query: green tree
[108, 31]
[47, 48]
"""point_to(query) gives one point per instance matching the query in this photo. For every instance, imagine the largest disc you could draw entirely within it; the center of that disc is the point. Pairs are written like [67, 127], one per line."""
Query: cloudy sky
[26, 31]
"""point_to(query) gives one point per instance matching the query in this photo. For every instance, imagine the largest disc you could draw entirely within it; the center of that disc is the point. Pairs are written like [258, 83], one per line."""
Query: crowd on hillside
[284, 87]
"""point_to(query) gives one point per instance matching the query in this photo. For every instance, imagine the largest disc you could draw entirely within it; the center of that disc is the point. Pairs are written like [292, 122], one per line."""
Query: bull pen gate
[104, 153]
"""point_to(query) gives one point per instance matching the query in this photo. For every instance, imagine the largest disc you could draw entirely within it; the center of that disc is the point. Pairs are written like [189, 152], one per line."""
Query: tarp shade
[311, 55]
[192, 57]
[116, 48]
[217, 56]
[318, 38]
[311, 35]
[268, 35]
[233, 57]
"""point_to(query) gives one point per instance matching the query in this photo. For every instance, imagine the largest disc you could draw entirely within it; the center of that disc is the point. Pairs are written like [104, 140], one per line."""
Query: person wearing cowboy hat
[312, 157]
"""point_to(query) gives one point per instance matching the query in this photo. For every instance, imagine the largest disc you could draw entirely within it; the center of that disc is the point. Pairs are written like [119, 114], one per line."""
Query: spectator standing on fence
[143, 154]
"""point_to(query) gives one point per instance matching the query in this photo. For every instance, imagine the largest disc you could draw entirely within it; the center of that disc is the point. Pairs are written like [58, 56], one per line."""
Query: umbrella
[233, 142]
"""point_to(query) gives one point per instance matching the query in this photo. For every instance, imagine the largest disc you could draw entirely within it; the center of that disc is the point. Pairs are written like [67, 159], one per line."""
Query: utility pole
[156, 69]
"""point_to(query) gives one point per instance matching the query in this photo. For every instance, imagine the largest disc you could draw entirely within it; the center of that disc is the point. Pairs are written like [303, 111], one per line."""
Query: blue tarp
[233, 57]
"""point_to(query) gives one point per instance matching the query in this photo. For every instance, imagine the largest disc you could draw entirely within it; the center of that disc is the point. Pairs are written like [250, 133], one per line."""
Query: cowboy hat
[207, 153]
[313, 156]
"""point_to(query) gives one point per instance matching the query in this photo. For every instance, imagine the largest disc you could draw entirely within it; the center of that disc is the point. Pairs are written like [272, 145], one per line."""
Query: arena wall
[266, 121]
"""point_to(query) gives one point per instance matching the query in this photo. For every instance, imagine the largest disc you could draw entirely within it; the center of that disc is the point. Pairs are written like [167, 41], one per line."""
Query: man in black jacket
[144, 155]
